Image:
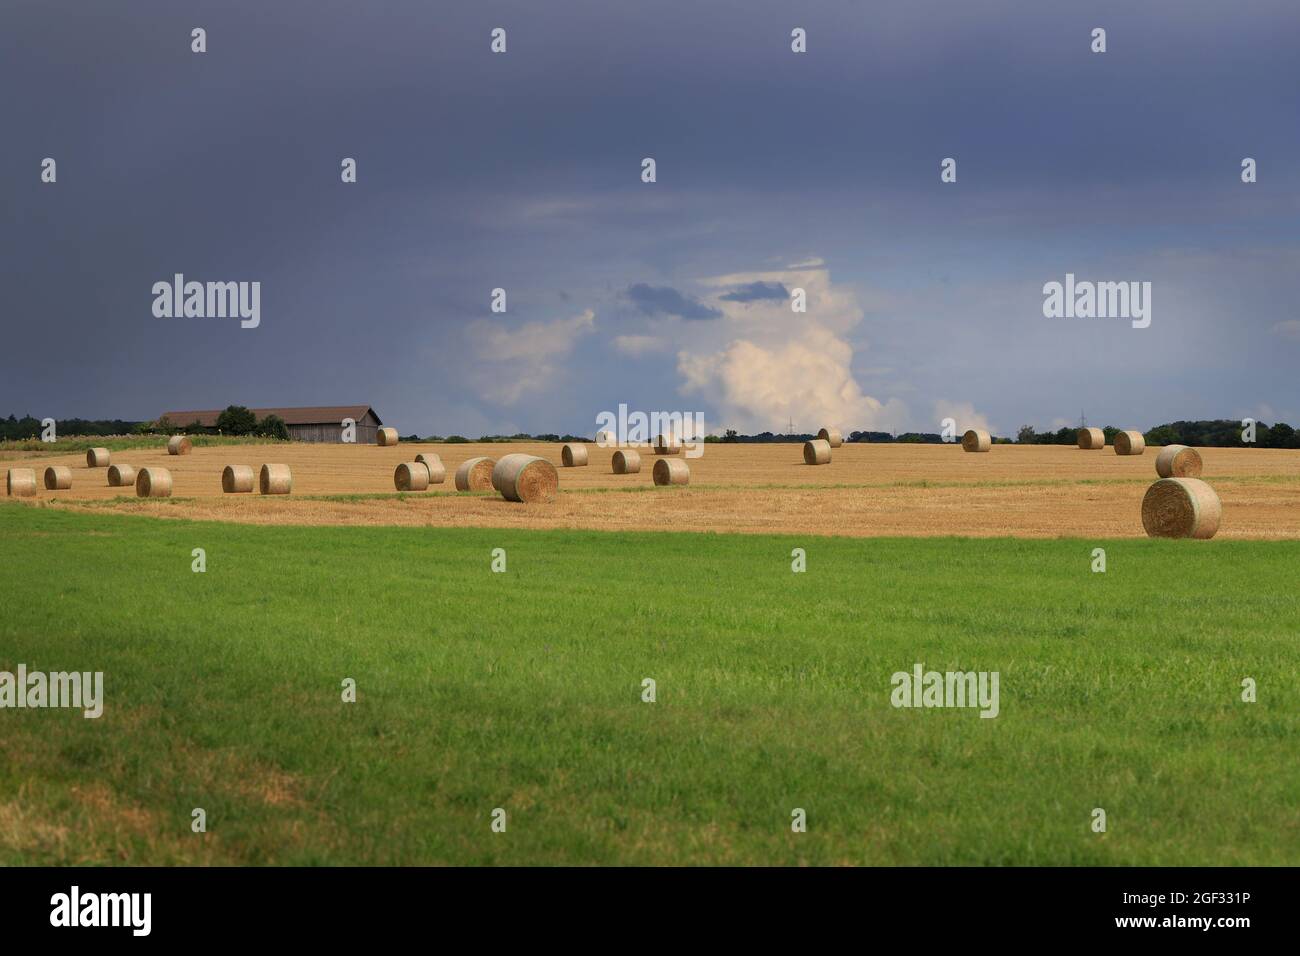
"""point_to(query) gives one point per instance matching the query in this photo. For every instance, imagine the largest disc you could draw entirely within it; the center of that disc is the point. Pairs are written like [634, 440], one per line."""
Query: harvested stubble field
[866, 490]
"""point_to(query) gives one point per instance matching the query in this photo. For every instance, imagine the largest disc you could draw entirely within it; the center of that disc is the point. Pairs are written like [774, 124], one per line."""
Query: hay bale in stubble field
[411, 476]
[525, 478]
[1178, 461]
[153, 483]
[1181, 508]
[831, 436]
[97, 458]
[1129, 443]
[386, 436]
[437, 472]
[179, 445]
[58, 478]
[626, 462]
[1091, 439]
[237, 479]
[667, 445]
[817, 452]
[20, 482]
[475, 474]
[671, 471]
[121, 476]
[573, 456]
[976, 439]
[275, 480]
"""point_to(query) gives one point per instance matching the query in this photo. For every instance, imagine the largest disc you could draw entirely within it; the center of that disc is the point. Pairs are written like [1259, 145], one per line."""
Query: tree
[1026, 435]
[1281, 435]
[1162, 435]
[273, 426]
[236, 420]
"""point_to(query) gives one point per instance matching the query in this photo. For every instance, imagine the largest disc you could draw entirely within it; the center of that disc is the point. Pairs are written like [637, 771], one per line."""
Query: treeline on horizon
[1217, 433]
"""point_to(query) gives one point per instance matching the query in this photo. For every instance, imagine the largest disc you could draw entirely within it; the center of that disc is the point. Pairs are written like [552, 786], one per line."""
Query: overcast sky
[775, 171]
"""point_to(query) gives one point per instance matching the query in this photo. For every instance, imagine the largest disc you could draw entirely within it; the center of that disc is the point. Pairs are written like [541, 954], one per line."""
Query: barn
[317, 423]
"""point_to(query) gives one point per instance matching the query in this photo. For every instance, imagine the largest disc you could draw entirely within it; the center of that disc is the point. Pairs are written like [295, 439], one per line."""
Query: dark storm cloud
[522, 171]
[664, 300]
[757, 292]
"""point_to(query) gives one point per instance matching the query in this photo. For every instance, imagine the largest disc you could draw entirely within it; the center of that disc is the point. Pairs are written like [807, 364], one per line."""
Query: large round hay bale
[121, 476]
[671, 471]
[179, 445]
[475, 474]
[626, 462]
[275, 480]
[411, 476]
[573, 456]
[433, 464]
[1129, 443]
[1181, 508]
[97, 458]
[1091, 439]
[667, 445]
[153, 483]
[20, 482]
[386, 436]
[831, 436]
[237, 479]
[526, 478]
[1178, 461]
[817, 452]
[976, 439]
[58, 478]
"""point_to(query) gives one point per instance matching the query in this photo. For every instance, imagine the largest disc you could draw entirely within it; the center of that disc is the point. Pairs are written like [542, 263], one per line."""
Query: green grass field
[522, 690]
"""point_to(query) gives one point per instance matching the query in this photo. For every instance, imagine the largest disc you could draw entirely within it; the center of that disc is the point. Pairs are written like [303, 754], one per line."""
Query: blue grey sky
[775, 170]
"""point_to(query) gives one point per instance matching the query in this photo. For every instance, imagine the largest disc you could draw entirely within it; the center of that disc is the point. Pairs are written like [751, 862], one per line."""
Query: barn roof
[310, 415]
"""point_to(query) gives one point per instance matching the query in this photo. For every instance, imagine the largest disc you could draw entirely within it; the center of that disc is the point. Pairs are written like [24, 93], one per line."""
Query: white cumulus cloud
[763, 365]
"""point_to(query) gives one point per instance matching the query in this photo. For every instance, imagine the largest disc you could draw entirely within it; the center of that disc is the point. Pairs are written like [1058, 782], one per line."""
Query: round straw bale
[831, 436]
[237, 479]
[1091, 439]
[121, 476]
[627, 462]
[1129, 443]
[526, 478]
[58, 478]
[97, 458]
[179, 445]
[20, 482]
[387, 436]
[433, 464]
[153, 483]
[667, 445]
[275, 480]
[817, 452]
[411, 476]
[976, 439]
[1178, 461]
[671, 471]
[475, 474]
[573, 456]
[1181, 508]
